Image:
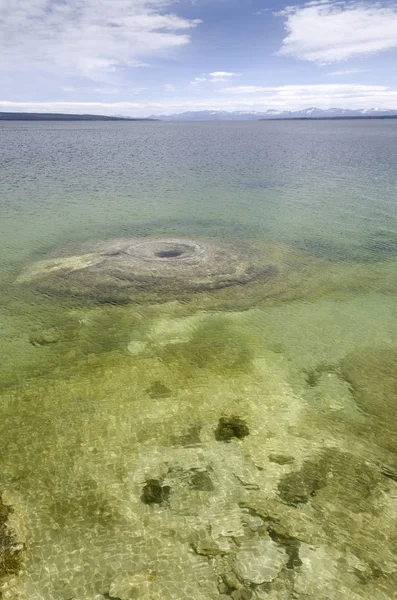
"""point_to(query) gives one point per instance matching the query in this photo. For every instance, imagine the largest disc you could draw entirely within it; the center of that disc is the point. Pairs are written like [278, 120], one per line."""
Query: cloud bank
[260, 98]
[87, 37]
[326, 31]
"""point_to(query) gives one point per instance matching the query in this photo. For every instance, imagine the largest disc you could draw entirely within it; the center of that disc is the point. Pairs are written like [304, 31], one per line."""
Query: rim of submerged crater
[166, 250]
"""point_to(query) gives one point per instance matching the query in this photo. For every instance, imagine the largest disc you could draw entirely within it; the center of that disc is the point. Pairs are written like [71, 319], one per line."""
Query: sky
[145, 57]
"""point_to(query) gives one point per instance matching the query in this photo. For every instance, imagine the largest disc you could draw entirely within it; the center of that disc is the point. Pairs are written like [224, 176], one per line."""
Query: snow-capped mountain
[306, 113]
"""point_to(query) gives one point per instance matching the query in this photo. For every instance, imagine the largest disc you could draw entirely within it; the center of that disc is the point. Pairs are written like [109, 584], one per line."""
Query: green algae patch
[56, 341]
[356, 484]
[372, 375]
[201, 481]
[154, 492]
[86, 504]
[231, 427]
[215, 344]
[299, 487]
[158, 390]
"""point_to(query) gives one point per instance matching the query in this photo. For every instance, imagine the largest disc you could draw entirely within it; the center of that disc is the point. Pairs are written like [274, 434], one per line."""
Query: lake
[230, 431]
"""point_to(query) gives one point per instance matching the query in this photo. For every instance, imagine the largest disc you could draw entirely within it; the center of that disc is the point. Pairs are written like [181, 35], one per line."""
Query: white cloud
[169, 87]
[215, 77]
[291, 97]
[105, 90]
[322, 89]
[345, 72]
[219, 76]
[330, 31]
[96, 90]
[198, 80]
[86, 37]
[287, 97]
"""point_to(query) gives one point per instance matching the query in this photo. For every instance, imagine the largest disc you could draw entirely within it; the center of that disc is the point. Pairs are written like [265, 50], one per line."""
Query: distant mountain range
[306, 113]
[215, 115]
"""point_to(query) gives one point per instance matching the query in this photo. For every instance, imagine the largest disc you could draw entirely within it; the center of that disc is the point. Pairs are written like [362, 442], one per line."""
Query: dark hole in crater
[169, 253]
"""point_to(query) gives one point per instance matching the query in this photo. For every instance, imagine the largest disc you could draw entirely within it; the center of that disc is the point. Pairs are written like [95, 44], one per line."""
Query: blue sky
[142, 57]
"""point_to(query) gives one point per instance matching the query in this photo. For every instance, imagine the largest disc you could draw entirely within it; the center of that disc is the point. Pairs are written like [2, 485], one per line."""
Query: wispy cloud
[330, 31]
[198, 80]
[345, 72]
[346, 95]
[219, 76]
[324, 88]
[95, 90]
[87, 37]
[215, 77]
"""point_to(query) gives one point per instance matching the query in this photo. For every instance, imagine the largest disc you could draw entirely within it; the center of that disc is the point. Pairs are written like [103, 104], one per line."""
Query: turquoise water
[98, 399]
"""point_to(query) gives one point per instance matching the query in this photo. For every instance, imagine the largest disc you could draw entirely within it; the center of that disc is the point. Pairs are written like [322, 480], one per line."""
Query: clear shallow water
[98, 399]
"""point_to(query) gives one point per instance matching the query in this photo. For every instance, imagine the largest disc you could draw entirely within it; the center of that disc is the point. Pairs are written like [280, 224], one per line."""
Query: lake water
[237, 442]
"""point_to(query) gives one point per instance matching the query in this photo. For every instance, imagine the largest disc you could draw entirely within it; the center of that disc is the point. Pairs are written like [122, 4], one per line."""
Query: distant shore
[17, 116]
[26, 116]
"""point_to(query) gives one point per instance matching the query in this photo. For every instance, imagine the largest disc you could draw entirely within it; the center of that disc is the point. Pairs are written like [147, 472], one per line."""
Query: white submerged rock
[260, 561]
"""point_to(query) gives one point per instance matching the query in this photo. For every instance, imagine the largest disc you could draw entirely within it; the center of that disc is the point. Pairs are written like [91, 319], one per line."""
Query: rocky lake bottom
[234, 443]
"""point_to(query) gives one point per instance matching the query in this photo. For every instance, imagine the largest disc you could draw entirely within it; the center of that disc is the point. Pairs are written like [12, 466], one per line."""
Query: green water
[98, 399]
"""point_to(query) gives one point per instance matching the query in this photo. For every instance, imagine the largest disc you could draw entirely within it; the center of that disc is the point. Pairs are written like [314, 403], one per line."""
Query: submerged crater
[156, 268]
[169, 253]
[165, 250]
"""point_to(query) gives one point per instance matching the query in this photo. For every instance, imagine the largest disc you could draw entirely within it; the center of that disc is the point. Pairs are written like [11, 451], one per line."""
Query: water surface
[99, 399]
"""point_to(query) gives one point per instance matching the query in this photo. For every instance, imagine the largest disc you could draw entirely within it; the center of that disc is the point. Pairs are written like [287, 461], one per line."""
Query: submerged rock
[44, 338]
[260, 561]
[155, 493]
[231, 427]
[190, 437]
[230, 582]
[291, 545]
[298, 487]
[127, 268]
[210, 547]
[281, 459]
[201, 481]
[130, 587]
[10, 549]
[158, 390]
[244, 593]
[314, 375]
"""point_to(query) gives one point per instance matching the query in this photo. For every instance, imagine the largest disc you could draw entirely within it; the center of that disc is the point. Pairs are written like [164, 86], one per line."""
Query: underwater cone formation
[121, 269]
